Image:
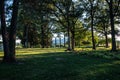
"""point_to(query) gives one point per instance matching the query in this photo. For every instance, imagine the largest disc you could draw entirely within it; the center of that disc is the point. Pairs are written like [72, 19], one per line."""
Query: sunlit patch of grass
[83, 49]
[25, 51]
[88, 48]
[101, 54]
[37, 51]
[1, 53]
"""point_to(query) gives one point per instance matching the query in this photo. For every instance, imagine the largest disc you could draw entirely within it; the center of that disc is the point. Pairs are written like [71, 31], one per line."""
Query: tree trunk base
[68, 49]
[113, 50]
[9, 60]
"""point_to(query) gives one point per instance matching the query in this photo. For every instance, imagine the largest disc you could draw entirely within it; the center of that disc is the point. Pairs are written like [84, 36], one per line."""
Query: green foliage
[34, 22]
[86, 42]
[81, 34]
[102, 41]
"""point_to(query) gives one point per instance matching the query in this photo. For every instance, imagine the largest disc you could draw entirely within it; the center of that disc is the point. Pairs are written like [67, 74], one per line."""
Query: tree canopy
[36, 21]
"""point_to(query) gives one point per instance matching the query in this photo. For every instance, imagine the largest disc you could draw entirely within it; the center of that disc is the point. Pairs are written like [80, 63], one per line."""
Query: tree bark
[68, 31]
[92, 31]
[60, 41]
[25, 36]
[9, 38]
[4, 32]
[106, 40]
[55, 41]
[73, 40]
[106, 37]
[42, 36]
[112, 26]
[12, 33]
[47, 41]
[64, 39]
[69, 46]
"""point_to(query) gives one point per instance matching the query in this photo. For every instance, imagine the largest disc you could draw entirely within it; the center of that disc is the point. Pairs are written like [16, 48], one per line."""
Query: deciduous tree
[9, 37]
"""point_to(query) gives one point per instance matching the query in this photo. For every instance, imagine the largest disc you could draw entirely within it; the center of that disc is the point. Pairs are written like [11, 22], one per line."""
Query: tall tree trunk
[106, 37]
[92, 31]
[69, 46]
[42, 36]
[73, 41]
[64, 40]
[4, 32]
[47, 41]
[73, 38]
[68, 31]
[112, 26]
[55, 41]
[106, 40]
[9, 39]
[12, 33]
[25, 36]
[60, 41]
[42, 33]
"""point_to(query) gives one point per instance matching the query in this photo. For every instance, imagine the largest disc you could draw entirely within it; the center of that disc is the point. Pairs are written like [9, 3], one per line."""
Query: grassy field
[55, 64]
[29, 51]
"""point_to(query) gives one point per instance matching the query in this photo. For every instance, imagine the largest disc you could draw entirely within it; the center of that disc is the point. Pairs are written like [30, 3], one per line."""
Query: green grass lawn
[55, 64]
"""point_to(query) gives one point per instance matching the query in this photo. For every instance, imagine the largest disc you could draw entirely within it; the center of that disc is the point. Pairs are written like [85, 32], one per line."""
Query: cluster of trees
[36, 19]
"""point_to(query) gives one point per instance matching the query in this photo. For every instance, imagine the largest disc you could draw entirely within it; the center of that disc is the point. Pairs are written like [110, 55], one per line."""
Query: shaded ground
[60, 66]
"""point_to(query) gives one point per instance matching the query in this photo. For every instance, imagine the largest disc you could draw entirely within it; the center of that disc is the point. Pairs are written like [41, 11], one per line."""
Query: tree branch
[116, 10]
[58, 8]
[107, 2]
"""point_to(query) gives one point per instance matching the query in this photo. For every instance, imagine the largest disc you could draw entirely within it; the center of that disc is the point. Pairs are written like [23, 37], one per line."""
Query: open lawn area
[56, 64]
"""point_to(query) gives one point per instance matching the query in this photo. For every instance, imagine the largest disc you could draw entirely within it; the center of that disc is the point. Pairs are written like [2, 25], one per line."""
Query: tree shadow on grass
[60, 66]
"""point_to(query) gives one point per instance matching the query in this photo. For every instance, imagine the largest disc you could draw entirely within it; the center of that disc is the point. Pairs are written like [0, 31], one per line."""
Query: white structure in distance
[18, 42]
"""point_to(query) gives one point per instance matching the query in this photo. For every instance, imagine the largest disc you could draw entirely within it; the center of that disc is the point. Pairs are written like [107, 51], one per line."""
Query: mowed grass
[55, 64]
[29, 51]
